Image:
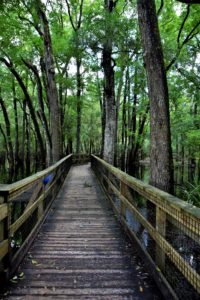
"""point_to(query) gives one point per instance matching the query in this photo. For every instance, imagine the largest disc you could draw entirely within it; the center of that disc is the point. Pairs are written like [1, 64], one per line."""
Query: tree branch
[190, 35]
[182, 25]
[189, 1]
[80, 14]
[194, 79]
[160, 8]
[36, 26]
[70, 15]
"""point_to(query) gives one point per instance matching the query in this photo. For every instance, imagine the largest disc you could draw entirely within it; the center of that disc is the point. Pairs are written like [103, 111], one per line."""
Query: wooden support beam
[161, 228]
[4, 244]
[123, 189]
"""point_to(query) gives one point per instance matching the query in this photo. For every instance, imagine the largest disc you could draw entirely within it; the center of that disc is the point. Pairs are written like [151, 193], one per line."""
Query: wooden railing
[80, 159]
[166, 228]
[23, 207]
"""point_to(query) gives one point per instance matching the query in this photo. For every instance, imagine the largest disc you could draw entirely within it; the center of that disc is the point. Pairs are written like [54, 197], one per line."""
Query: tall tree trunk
[41, 110]
[30, 106]
[132, 158]
[16, 152]
[133, 165]
[103, 118]
[109, 87]
[118, 96]
[161, 165]
[23, 138]
[79, 105]
[76, 22]
[55, 122]
[28, 152]
[10, 153]
[124, 123]
[182, 169]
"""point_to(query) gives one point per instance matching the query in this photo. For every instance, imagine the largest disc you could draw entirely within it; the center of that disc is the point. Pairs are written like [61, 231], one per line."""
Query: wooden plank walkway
[81, 251]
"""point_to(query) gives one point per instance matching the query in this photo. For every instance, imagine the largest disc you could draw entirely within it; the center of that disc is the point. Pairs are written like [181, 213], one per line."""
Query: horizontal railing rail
[23, 207]
[80, 159]
[166, 228]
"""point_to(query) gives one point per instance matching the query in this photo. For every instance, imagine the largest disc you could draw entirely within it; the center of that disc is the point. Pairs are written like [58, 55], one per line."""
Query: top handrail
[8, 189]
[152, 192]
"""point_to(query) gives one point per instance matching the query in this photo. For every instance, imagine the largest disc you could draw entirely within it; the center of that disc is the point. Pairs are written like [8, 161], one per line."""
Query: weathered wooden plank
[74, 297]
[73, 291]
[3, 211]
[3, 249]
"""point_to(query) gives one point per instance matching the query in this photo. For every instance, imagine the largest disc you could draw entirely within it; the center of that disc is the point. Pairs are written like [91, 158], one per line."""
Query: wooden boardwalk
[81, 251]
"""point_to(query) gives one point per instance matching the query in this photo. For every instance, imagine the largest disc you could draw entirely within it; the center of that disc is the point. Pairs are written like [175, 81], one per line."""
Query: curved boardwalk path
[81, 251]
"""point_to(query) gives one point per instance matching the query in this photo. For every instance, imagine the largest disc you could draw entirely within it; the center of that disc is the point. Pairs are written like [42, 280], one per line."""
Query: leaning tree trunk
[55, 120]
[42, 115]
[161, 165]
[109, 88]
[30, 106]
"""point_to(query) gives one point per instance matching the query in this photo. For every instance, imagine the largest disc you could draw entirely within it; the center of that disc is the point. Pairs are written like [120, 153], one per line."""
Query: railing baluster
[161, 228]
[4, 241]
[43, 192]
[123, 189]
[171, 214]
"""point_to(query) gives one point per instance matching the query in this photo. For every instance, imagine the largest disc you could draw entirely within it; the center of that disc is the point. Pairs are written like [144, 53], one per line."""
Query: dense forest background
[73, 79]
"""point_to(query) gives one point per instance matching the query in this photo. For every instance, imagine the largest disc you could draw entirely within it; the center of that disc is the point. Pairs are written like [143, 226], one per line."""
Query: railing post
[123, 188]
[40, 209]
[161, 228]
[4, 235]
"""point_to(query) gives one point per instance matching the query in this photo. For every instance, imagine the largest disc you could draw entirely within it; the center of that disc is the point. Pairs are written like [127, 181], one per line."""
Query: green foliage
[191, 193]
[20, 39]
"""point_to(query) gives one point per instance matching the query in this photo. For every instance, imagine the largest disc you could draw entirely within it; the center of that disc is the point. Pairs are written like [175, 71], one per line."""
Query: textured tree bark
[55, 122]
[124, 123]
[103, 114]
[76, 25]
[131, 159]
[10, 153]
[23, 138]
[118, 96]
[63, 74]
[27, 149]
[79, 105]
[16, 152]
[109, 88]
[161, 165]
